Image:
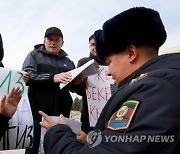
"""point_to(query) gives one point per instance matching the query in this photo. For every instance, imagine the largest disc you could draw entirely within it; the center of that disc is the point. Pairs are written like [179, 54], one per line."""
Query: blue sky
[23, 23]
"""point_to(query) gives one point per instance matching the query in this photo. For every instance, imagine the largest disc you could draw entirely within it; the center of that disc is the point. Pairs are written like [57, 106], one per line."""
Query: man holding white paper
[47, 66]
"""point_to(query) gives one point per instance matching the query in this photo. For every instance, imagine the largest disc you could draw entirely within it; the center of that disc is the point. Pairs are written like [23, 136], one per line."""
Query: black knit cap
[54, 30]
[136, 26]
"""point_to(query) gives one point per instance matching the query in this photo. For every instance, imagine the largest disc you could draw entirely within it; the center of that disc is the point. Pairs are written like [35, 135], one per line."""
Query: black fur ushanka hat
[136, 26]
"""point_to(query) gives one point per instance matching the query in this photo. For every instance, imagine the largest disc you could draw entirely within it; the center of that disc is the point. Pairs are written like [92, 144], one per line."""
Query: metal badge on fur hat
[136, 26]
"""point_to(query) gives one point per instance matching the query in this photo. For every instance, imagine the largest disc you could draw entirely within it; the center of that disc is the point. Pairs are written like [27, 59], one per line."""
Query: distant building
[171, 50]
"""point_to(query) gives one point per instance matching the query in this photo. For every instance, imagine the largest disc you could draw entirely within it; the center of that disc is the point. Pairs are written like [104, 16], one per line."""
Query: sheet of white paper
[89, 68]
[73, 124]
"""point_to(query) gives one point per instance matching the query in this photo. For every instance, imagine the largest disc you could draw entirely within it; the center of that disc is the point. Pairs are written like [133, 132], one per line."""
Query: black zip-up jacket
[43, 93]
[3, 124]
[155, 121]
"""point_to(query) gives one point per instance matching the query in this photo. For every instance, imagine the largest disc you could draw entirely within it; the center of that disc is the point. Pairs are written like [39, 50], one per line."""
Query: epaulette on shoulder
[144, 75]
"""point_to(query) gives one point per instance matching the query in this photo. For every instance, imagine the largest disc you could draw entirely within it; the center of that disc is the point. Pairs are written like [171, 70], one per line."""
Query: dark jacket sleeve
[157, 114]
[3, 124]
[1, 49]
[52, 140]
[1, 64]
[36, 78]
[60, 139]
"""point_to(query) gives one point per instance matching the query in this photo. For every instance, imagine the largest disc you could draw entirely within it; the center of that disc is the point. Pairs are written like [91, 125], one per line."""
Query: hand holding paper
[26, 77]
[81, 137]
[50, 121]
[63, 78]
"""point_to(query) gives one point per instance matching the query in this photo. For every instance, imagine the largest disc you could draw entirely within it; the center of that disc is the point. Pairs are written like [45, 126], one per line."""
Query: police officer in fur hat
[143, 115]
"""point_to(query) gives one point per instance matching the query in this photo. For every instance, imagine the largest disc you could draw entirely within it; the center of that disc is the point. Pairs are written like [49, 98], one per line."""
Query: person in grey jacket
[47, 65]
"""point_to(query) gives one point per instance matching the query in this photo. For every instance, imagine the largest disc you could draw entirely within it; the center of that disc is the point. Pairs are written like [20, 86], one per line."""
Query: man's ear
[44, 40]
[62, 43]
[132, 53]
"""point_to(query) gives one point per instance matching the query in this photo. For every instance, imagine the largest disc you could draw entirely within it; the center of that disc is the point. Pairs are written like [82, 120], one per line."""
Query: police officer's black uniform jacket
[150, 105]
[43, 93]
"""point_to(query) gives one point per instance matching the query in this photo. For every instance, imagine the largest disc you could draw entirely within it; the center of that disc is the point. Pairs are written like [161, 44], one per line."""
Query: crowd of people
[146, 103]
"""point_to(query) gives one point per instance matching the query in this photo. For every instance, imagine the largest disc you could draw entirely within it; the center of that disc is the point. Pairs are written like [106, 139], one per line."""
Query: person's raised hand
[9, 103]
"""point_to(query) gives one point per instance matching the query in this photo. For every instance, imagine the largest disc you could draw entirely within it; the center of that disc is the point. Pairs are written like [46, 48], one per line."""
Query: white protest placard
[98, 93]
[73, 124]
[89, 68]
[19, 134]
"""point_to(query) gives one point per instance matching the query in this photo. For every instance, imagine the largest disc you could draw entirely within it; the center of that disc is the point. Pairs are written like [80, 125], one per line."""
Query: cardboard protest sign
[19, 135]
[98, 93]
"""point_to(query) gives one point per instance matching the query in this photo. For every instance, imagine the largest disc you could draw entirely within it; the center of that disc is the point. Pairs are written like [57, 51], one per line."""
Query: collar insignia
[145, 75]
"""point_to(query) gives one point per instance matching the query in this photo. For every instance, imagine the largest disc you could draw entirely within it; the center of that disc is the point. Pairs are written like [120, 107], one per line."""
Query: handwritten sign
[98, 93]
[19, 134]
